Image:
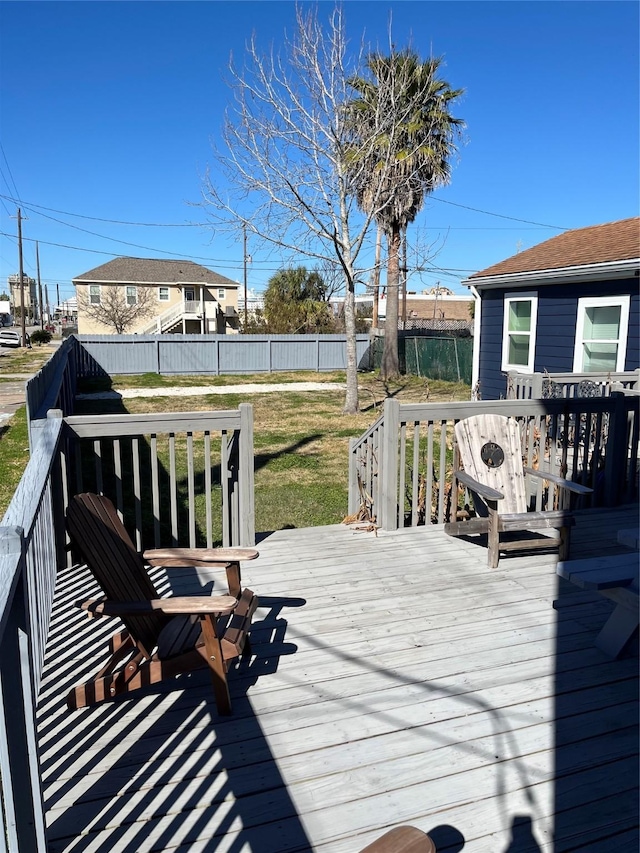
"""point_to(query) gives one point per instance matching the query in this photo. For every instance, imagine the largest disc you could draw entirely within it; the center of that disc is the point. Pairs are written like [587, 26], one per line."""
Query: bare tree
[118, 308]
[288, 160]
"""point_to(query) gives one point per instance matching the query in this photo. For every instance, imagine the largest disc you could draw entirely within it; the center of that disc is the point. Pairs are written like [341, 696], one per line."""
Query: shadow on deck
[395, 680]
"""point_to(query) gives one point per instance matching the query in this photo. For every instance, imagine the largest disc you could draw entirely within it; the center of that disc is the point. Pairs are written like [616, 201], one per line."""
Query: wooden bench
[616, 578]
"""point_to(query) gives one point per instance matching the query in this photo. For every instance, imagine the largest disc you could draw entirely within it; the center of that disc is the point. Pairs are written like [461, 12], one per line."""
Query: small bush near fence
[446, 358]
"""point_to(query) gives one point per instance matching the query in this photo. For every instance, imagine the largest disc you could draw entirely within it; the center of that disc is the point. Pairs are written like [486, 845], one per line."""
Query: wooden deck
[396, 679]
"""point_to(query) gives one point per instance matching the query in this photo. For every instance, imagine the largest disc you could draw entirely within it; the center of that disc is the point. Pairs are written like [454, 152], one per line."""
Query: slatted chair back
[491, 452]
[102, 540]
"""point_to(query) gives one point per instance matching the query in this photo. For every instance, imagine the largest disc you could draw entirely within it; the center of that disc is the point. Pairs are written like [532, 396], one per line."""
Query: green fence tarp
[446, 358]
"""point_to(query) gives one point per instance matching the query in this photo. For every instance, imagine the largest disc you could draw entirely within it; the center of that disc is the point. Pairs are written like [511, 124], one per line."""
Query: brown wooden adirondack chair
[163, 637]
[402, 839]
[492, 469]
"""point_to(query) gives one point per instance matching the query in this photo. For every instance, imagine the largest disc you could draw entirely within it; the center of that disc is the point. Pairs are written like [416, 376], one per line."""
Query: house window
[94, 294]
[221, 292]
[601, 334]
[132, 295]
[163, 294]
[519, 331]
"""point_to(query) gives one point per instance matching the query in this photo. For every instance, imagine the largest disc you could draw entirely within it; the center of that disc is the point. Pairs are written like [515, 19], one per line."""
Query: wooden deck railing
[176, 478]
[54, 386]
[534, 386]
[400, 470]
[185, 477]
[30, 540]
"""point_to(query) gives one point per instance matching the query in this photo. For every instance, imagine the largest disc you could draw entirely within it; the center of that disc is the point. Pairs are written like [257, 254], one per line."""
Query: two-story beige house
[156, 297]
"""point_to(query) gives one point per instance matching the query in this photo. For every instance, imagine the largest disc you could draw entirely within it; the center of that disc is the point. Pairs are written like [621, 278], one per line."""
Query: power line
[205, 224]
[116, 255]
[15, 188]
[499, 215]
[111, 221]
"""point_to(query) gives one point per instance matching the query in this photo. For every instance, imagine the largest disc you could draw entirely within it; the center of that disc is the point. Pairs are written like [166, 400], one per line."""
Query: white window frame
[221, 293]
[127, 288]
[161, 296]
[532, 297]
[624, 302]
[95, 294]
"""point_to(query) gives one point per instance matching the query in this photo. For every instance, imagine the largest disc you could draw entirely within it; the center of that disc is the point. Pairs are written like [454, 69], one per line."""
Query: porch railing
[528, 386]
[30, 540]
[400, 470]
[190, 308]
[54, 386]
[175, 478]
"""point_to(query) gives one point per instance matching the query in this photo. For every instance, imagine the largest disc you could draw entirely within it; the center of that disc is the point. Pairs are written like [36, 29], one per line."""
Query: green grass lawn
[301, 439]
[14, 453]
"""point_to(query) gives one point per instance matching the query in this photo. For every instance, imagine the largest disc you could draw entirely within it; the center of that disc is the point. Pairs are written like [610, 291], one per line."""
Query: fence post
[616, 451]
[388, 466]
[247, 520]
[354, 497]
[536, 386]
[22, 803]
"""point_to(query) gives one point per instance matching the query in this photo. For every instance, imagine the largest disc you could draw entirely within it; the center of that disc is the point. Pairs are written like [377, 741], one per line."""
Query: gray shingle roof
[153, 271]
[598, 244]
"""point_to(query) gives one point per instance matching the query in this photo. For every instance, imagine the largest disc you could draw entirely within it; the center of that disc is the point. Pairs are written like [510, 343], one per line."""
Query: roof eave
[588, 272]
[225, 283]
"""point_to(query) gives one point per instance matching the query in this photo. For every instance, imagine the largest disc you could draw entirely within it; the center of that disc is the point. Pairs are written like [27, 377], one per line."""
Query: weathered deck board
[396, 680]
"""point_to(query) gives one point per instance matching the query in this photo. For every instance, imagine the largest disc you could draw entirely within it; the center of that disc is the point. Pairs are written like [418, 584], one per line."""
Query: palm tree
[403, 138]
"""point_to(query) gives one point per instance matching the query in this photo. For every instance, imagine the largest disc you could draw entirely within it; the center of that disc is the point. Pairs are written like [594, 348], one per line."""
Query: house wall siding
[88, 326]
[555, 331]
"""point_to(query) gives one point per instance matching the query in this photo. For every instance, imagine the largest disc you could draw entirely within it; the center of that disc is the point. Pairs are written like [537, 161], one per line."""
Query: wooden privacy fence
[101, 355]
[400, 470]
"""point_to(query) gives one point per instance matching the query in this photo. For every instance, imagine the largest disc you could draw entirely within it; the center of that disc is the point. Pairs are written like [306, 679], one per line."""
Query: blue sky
[108, 110]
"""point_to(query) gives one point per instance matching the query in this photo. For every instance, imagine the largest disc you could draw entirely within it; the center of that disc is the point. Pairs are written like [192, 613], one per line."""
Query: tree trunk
[351, 399]
[390, 367]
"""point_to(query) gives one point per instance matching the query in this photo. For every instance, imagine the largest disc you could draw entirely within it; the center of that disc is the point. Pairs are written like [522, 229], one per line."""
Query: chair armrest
[191, 556]
[578, 488]
[485, 492]
[192, 605]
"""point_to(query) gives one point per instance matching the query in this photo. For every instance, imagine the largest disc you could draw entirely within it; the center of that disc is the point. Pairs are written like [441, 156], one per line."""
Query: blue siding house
[568, 305]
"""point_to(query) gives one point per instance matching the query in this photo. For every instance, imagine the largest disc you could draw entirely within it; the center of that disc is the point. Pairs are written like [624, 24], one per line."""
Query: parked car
[11, 338]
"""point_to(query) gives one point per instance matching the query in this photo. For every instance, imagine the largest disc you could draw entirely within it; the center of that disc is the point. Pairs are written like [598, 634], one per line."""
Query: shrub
[41, 336]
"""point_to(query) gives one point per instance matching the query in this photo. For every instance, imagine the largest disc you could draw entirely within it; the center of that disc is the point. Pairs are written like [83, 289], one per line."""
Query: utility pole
[21, 273]
[375, 280]
[246, 298]
[403, 276]
[40, 303]
[46, 299]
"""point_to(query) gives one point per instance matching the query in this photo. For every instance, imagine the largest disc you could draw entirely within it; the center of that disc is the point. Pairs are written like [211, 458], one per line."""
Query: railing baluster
[415, 483]
[429, 476]
[191, 492]
[137, 495]
[155, 489]
[173, 489]
[208, 492]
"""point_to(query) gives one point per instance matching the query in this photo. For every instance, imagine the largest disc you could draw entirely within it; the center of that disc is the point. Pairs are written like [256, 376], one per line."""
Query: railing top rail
[366, 435]
[107, 426]
[526, 408]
